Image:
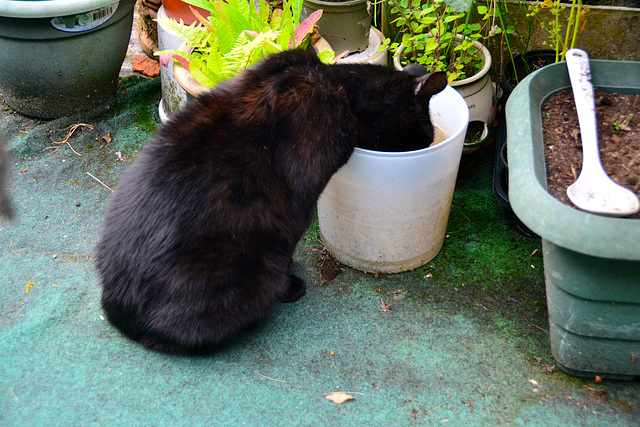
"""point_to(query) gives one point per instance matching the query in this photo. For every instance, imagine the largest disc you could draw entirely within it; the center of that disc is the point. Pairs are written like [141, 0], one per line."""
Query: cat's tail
[5, 207]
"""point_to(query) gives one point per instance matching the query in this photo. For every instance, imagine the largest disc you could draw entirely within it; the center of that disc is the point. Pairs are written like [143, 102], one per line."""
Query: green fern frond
[222, 47]
[226, 33]
[192, 34]
[203, 4]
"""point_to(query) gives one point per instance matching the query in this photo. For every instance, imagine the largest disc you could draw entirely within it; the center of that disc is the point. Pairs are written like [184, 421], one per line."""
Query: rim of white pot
[451, 133]
[477, 76]
[49, 8]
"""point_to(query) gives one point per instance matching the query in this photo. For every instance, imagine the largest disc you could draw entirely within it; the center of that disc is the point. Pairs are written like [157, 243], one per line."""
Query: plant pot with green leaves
[233, 37]
[591, 262]
[172, 94]
[443, 37]
[562, 28]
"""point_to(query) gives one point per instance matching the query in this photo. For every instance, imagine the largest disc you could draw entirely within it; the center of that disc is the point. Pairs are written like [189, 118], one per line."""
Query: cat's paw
[296, 290]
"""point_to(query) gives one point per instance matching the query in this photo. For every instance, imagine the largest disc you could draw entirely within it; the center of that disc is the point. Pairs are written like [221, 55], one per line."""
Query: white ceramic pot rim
[49, 8]
[448, 91]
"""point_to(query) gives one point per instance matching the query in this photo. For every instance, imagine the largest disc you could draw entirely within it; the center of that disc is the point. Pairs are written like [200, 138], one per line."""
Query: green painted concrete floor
[465, 340]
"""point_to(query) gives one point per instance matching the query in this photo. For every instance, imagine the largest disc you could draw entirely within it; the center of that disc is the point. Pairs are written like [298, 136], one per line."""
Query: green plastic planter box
[591, 262]
[60, 57]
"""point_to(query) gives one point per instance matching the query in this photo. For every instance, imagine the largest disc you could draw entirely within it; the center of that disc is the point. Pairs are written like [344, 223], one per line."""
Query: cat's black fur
[198, 240]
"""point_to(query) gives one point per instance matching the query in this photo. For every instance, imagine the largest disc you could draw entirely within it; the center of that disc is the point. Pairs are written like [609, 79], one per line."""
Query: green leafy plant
[429, 32]
[573, 24]
[236, 35]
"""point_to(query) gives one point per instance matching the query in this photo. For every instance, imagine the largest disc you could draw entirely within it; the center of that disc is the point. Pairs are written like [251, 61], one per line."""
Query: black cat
[199, 236]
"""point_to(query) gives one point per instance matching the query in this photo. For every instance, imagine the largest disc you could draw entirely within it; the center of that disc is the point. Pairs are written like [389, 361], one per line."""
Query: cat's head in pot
[396, 115]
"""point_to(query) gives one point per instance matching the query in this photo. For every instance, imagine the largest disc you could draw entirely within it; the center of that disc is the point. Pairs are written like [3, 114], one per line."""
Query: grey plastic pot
[344, 24]
[591, 262]
[61, 57]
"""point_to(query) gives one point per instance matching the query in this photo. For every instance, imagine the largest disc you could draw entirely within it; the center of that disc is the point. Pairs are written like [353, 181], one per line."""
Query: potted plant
[561, 30]
[172, 94]
[60, 57]
[388, 211]
[345, 24]
[561, 36]
[236, 35]
[591, 262]
[444, 38]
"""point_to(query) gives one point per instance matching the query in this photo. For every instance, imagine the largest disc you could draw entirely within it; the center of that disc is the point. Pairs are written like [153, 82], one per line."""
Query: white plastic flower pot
[174, 96]
[388, 211]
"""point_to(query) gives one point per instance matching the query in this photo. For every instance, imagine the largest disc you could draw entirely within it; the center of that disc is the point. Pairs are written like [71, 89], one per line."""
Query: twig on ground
[272, 379]
[14, 251]
[109, 188]
[347, 392]
[66, 138]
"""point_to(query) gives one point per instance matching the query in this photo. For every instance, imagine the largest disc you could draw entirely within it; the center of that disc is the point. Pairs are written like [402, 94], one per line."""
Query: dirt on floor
[618, 135]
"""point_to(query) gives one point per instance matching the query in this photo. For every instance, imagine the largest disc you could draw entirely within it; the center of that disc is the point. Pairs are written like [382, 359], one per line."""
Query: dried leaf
[399, 293]
[29, 285]
[107, 137]
[583, 19]
[340, 397]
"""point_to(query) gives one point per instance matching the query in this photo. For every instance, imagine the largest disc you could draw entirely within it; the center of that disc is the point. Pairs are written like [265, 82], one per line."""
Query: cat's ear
[429, 84]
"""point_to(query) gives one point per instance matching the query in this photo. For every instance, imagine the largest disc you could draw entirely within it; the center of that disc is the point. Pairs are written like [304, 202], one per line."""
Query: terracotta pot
[177, 9]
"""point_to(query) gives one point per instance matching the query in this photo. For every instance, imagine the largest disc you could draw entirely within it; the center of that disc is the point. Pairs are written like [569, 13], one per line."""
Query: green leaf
[225, 33]
[201, 73]
[204, 4]
[459, 5]
[326, 56]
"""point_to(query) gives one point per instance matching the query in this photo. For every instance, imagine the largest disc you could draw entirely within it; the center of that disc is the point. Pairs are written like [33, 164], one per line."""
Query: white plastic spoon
[593, 191]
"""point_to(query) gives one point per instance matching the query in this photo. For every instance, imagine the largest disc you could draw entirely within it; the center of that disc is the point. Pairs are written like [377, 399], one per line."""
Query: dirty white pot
[478, 91]
[388, 211]
[173, 95]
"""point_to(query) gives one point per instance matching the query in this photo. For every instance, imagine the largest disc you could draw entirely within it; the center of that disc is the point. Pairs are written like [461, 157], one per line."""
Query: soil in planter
[618, 134]
[474, 132]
